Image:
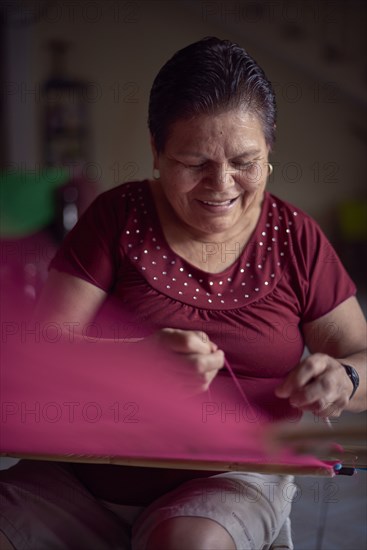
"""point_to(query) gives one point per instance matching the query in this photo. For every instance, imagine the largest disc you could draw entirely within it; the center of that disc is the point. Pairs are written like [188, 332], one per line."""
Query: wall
[119, 46]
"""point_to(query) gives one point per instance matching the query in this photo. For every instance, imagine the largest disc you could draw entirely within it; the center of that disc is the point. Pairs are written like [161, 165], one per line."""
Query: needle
[328, 422]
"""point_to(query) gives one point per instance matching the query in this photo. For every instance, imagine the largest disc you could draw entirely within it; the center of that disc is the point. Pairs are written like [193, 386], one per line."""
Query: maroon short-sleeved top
[287, 275]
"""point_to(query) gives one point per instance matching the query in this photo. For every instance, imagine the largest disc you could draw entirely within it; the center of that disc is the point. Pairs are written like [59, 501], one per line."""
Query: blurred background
[76, 75]
[75, 78]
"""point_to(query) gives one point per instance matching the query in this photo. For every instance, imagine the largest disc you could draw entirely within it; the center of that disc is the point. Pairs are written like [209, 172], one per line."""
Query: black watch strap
[353, 376]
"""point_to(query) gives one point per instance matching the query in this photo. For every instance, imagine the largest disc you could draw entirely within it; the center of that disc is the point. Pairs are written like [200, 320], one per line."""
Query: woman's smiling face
[213, 171]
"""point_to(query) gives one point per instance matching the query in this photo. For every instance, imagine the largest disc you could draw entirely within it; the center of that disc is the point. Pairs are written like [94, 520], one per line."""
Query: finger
[193, 364]
[205, 338]
[185, 341]
[334, 410]
[324, 395]
[301, 375]
[208, 363]
[320, 389]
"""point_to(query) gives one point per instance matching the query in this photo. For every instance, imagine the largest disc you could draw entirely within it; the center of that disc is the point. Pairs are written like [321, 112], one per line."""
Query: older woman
[206, 262]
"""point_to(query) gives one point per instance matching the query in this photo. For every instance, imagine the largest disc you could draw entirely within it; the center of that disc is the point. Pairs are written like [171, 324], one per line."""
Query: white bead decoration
[258, 273]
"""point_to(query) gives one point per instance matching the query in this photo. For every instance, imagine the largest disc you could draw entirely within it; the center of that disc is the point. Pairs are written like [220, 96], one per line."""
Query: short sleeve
[89, 251]
[327, 283]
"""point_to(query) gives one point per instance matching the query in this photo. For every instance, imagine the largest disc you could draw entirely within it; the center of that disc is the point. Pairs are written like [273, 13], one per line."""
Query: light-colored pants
[44, 506]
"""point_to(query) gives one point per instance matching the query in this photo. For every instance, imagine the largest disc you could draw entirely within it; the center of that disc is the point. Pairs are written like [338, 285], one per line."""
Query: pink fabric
[85, 398]
[55, 402]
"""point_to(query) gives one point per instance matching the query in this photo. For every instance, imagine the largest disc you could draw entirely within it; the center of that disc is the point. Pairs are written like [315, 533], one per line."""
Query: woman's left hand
[318, 384]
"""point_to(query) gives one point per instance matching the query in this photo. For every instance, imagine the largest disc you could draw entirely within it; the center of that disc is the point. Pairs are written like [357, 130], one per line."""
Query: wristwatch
[353, 376]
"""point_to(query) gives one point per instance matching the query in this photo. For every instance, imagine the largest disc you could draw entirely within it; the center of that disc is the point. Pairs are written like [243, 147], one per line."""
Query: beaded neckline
[253, 275]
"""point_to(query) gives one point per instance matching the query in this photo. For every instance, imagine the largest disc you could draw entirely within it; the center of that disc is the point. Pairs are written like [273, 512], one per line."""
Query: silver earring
[270, 168]
[156, 174]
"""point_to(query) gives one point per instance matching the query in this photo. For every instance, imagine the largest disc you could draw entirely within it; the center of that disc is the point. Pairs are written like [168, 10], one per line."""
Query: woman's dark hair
[209, 77]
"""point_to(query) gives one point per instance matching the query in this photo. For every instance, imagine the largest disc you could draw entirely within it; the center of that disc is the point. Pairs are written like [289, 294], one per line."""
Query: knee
[181, 533]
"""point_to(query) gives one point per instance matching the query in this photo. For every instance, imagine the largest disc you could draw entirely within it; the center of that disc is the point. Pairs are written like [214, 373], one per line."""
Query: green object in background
[353, 220]
[27, 202]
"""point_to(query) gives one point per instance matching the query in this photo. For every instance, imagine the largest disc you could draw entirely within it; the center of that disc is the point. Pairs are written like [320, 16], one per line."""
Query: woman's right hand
[196, 360]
